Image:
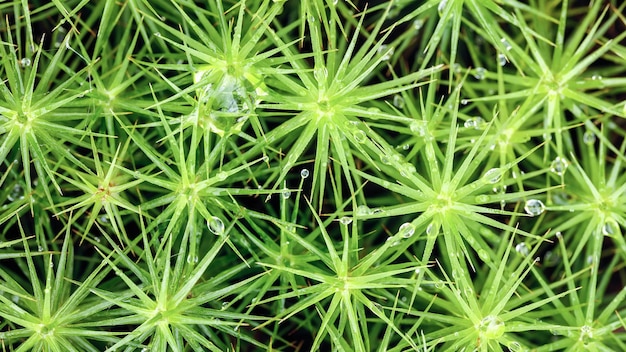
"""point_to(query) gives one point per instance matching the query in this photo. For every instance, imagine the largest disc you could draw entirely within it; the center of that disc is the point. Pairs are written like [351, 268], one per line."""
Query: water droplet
[304, 173]
[483, 254]
[482, 199]
[157, 34]
[441, 6]
[464, 101]
[398, 101]
[363, 210]
[406, 230]
[221, 176]
[286, 193]
[586, 333]
[589, 137]
[491, 327]
[479, 73]
[376, 211]
[360, 136]
[522, 249]
[515, 346]
[321, 74]
[502, 60]
[216, 225]
[609, 228]
[25, 62]
[419, 127]
[393, 241]
[534, 207]
[385, 159]
[223, 105]
[385, 52]
[418, 24]
[559, 165]
[16, 193]
[506, 44]
[345, 220]
[104, 218]
[431, 231]
[596, 77]
[39, 248]
[476, 123]
[493, 175]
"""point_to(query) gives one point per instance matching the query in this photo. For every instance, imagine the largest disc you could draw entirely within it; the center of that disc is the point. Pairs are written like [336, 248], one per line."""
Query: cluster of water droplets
[17, 193]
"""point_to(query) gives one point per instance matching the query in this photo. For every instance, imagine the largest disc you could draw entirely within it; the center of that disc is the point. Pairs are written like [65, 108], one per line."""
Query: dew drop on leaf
[506, 44]
[476, 123]
[559, 165]
[418, 127]
[363, 210]
[406, 230]
[345, 220]
[216, 225]
[418, 24]
[502, 60]
[441, 6]
[609, 228]
[286, 193]
[493, 175]
[385, 52]
[360, 136]
[482, 199]
[479, 73]
[25, 62]
[398, 101]
[534, 207]
[491, 327]
[430, 232]
[522, 249]
[304, 173]
[589, 138]
[16, 193]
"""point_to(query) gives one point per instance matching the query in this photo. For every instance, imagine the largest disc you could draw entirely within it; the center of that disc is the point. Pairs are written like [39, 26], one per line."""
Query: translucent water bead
[534, 207]
[215, 225]
[491, 327]
[223, 106]
[493, 175]
[476, 123]
[559, 165]
[406, 230]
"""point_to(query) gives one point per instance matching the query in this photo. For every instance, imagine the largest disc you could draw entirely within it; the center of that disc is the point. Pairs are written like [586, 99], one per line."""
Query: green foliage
[278, 175]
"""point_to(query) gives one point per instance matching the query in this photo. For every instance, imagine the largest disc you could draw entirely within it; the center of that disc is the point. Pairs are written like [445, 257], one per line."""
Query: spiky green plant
[279, 175]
